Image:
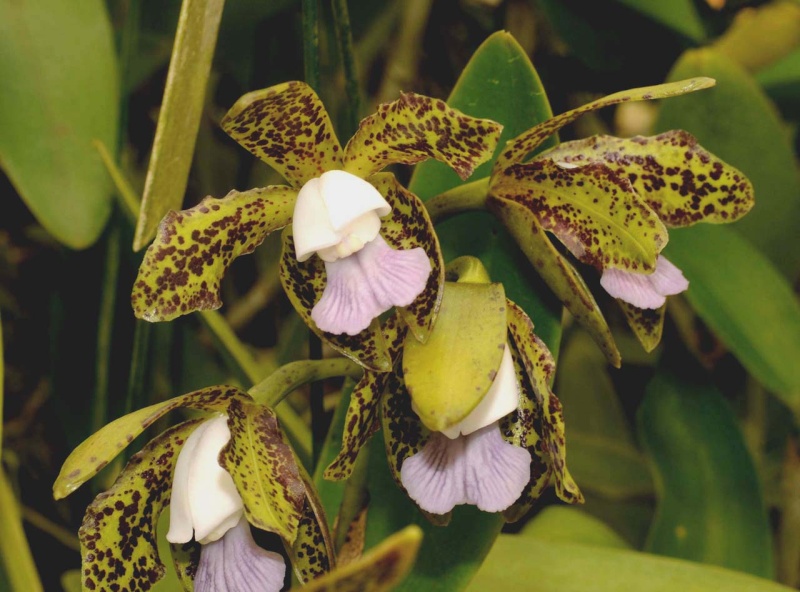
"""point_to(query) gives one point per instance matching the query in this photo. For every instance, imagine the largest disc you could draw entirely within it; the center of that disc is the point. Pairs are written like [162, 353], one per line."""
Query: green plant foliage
[572, 567]
[746, 302]
[572, 525]
[16, 561]
[60, 93]
[737, 122]
[179, 119]
[471, 332]
[679, 15]
[711, 508]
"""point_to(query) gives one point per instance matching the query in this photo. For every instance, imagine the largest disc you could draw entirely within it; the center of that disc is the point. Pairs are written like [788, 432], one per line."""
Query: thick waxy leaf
[94, 453]
[516, 150]
[312, 553]
[671, 172]
[304, 283]
[363, 411]
[449, 374]
[679, 15]
[746, 302]
[118, 535]
[414, 128]
[17, 568]
[179, 118]
[647, 324]
[561, 277]
[264, 469]
[287, 127]
[571, 525]
[60, 92]
[738, 123]
[408, 227]
[710, 505]
[181, 271]
[380, 570]
[572, 567]
[595, 212]
[539, 366]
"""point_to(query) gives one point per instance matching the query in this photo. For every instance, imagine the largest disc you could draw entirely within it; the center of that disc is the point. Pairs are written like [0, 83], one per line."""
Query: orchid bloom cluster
[356, 245]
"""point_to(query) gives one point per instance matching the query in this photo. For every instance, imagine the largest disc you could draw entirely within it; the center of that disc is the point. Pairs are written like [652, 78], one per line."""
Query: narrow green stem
[59, 533]
[341, 18]
[105, 327]
[129, 200]
[15, 552]
[141, 347]
[273, 389]
[464, 198]
[311, 43]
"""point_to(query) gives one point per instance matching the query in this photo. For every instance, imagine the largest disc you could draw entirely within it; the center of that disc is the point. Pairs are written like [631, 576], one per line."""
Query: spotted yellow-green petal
[264, 469]
[559, 274]
[185, 558]
[409, 226]
[540, 366]
[449, 374]
[94, 453]
[379, 570]
[304, 283]
[312, 553]
[681, 181]
[414, 128]
[363, 413]
[118, 535]
[517, 149]
[524, 428]
[287, 127]
[647, 324]
[182, 269]
[595, 212]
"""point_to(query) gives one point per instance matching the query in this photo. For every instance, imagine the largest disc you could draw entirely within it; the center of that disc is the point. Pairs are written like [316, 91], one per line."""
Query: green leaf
[264, 469]
[679, 15]
[380, 570]
[449, 374]
[287, 127]
[94, 453]
[16, 559]
[112, 557]
[737, 122]
[179, 118]
[570, 567]
[680, 181]
[745, 301]
[711, 508]
[594, 212]
[571, 525]
[60, 92]
[182, 270]
[414, 128]
[498, 83]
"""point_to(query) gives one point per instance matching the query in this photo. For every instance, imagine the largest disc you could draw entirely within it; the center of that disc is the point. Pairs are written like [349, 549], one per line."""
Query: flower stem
[311, 43]
[464, 198]
[341, 18]
[273, 389]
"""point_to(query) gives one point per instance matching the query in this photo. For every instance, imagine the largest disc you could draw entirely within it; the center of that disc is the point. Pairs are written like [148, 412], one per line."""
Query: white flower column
[338, 217]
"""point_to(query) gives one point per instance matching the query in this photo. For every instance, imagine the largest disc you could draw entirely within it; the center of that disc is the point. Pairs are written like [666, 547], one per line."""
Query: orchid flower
[205, 505]
[610, 201]
[219, 475]
[356, 242]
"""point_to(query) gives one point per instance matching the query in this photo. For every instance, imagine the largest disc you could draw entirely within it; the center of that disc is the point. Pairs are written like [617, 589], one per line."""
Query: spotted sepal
[404, 435]
[182, 269]
[94, 453]
[595, 212]
[312, 554]
[363, 412]
[407, 227]
[414, 128]
[185, 558]
[304, 283]
[539, 366]
[681, 181]
[264, 469]
[646, 324]
[517, 149]
[118, 539]
[559, 274]
[287, 127]
[379, 570]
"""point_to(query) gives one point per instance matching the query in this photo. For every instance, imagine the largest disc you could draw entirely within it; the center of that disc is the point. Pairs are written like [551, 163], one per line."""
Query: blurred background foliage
[688, 452]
